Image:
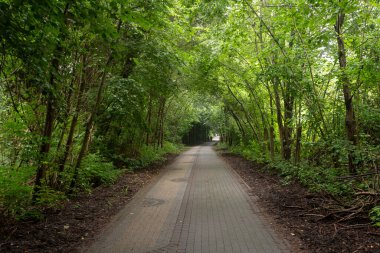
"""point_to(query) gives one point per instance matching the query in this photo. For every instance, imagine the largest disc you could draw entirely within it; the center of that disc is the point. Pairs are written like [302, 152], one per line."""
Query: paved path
[197, 205]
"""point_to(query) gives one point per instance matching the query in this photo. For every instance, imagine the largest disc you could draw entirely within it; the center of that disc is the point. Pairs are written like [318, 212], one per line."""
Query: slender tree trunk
[245, 113]
[90, 124]
[271, 127]
[266, 144]
[149, 120]
[240, 126]
[45, 145]
[68, 106]
[279, 117]
[74, 121]
[157, 125]
[351, 125]
[271, 141]
[297, 152]
[47, 132]
[162, 120]
[49, 119]
[288, 129]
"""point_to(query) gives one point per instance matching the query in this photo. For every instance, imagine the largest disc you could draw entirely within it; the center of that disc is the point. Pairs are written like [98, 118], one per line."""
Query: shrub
[48, 197]
[150, 154]
[315, 178]
[374, 215]
[15, 191]
[95, 172]
[252, 152]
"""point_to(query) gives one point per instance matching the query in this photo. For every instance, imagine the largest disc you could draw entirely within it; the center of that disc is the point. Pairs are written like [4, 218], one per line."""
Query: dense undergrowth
[330, 181]
[16, 184]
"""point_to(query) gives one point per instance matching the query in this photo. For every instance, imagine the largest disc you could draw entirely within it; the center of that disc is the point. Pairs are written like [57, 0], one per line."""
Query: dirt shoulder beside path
[296, 214]
[67, 228]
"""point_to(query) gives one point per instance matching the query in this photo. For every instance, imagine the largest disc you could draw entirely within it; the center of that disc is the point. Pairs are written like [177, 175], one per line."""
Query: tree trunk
[297, 152]
[157, 125]
[45, 146]
[288, 129]
[149, 121]
[160, 113]
[90, 124]
[68, 111]
[279, 118]
[240, 126]
[49, 119]
[351, 125]
[74, 121]
[162, 120]
[271, 128]
[256, 135]
[271, 141]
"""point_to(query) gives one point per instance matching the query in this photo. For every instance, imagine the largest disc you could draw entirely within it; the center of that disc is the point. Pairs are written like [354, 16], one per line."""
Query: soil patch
[65, 229]
[298, 216]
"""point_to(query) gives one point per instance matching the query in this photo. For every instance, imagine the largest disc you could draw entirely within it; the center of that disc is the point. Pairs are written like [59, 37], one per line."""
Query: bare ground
[297, 213]
[66, 228]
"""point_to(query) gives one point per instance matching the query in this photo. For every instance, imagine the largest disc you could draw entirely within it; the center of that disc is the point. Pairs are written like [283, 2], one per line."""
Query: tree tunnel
[198, 134]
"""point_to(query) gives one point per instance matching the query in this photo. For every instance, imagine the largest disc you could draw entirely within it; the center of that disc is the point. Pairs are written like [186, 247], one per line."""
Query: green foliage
[370, 121]
[150, 154]
[48, 197]
[131, 78]
[374, 215]
[15, 189]
[111, 69]
[222, 146]
[253, 151]
[33, 214]
[95, 172]
[318, 179]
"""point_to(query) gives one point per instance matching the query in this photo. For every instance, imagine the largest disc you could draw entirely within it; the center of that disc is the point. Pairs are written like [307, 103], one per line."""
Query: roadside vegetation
[299, 81]
[88, 91]
[91, 89]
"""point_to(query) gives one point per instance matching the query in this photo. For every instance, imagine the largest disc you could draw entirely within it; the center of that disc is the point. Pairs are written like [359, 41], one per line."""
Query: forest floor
[66, 228]
[296, 214]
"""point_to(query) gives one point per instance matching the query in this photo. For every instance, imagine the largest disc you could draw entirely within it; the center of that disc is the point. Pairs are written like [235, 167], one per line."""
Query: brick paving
[198, 205]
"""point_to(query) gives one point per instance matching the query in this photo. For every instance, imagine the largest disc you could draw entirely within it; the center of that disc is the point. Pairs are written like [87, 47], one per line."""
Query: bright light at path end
[216, 138]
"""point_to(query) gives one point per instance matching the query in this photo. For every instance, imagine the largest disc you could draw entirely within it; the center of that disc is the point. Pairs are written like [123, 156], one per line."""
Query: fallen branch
[357, 176]
[312, 214]
[296, 207]
[356, 226]
[373, 233]
[367, 193]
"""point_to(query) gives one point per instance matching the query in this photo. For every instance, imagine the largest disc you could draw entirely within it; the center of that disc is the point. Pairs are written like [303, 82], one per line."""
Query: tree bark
[45, 146]
[271, 141]
[288, 129]
[245, 113]
[90, 124]
[350, 121]
[279, 115]
[66, 122]
[162, 121]
[240, 126]
[74, 121]
[159, 123]
[149, 121]
[297, 152]
[49, 118]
